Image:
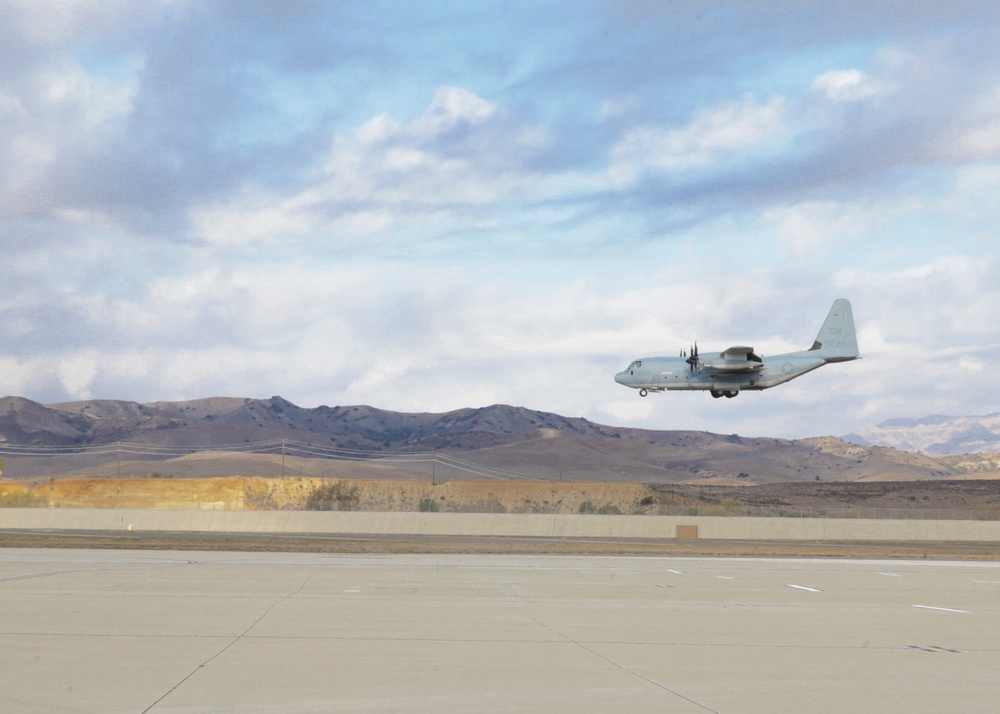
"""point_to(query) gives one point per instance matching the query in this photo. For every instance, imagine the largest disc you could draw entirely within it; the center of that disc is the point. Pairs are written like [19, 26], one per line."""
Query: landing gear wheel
[716, 393]
[643, 392]
[731, 394]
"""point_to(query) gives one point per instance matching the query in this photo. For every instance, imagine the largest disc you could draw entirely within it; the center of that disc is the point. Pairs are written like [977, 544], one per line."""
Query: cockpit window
[636, 364]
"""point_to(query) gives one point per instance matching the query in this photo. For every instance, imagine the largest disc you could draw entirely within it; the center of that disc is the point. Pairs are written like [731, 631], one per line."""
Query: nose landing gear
[727, 393]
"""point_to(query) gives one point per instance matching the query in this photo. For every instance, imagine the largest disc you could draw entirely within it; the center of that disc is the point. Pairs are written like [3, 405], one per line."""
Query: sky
[426, 206]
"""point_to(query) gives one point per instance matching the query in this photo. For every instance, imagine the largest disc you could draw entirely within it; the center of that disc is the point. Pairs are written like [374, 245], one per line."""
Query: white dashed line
[941, 609]
[803, 587]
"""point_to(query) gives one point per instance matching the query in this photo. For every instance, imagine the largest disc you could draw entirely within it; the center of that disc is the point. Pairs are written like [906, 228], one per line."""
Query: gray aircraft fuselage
[727, 373]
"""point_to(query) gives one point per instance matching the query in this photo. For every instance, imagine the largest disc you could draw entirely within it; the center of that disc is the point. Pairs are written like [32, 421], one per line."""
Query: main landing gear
[727, 393]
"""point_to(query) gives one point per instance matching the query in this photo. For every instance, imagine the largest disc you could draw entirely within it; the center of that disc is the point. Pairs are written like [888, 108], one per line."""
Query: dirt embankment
[255, 493]
[716, 497]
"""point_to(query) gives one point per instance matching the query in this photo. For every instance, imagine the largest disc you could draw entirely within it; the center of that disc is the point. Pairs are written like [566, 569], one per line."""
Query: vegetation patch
[605, 510]
[334, 496]
[22, 498]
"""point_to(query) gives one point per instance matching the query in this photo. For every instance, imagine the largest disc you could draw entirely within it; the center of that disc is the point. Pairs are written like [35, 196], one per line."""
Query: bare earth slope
[981, 498]
[273, 437]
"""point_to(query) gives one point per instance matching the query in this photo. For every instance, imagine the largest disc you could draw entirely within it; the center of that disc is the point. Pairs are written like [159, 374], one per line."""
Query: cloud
[53, 25]
[461, 153]
[849, 85]
[812, 227]
[725, 132]
[77, 373]
[978, 132]
[430, 208]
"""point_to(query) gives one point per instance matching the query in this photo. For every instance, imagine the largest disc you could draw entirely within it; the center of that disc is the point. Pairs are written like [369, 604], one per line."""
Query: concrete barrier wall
[484, 524]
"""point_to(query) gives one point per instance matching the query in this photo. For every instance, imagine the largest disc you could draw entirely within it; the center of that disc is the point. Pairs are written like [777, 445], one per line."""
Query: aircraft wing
[734, 360]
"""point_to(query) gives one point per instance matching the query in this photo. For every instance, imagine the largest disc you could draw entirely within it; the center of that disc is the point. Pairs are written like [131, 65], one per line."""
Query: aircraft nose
[622, 377]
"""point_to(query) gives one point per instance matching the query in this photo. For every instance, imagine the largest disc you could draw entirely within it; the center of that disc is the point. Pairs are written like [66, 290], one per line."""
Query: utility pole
[282, 458]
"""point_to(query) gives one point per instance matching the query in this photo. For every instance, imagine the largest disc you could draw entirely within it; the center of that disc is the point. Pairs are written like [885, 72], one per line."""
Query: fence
[142, 502]
[989, 512]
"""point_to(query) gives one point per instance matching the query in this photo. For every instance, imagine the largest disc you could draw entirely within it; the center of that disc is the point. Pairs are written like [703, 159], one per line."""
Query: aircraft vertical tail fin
[837, 341]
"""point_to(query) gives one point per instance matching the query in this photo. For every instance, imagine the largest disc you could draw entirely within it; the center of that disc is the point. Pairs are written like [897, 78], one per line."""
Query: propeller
[693, 359]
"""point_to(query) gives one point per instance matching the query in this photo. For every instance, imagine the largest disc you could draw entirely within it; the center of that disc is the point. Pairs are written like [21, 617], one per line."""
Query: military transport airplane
[727, 373]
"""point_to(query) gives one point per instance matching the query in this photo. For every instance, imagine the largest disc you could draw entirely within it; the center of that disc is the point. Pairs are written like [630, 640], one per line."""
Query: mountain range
[935, 435]
[227, 436]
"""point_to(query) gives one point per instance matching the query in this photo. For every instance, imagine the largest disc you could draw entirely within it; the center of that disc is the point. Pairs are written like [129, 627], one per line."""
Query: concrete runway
[171, 631]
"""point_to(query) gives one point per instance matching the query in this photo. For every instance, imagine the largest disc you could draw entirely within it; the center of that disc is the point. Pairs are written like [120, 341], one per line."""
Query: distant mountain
[226, 420]
[97, 437]
[936, 435]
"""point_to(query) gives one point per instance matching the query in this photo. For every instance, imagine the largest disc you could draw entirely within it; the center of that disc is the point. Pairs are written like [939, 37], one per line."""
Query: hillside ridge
[190, 438]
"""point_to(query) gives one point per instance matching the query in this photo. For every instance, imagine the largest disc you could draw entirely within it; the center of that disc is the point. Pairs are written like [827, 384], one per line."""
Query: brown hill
[273, 437]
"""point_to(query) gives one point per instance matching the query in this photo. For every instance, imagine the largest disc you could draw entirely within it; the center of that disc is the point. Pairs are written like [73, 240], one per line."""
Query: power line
[269, 447]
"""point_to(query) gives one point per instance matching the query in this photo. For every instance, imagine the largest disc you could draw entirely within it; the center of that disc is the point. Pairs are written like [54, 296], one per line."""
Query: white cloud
[630, 410]
[713, 135]
[92, 101]
[57, 113]
[849, 85]
[388, 172]
[808, 228]
[77, 373]
[618, 106]
[452, 106]
[13, 376]
[978, 127]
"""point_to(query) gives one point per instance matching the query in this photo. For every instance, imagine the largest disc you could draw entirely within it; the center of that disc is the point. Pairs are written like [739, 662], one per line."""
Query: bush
[23, 499]
[429, 505]
[336, 496]
[589, 508]
[731, 506]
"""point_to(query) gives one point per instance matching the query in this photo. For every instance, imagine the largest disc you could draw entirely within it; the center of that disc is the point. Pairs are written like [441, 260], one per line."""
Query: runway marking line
[804, 587]
[940, 609]
[935, 649]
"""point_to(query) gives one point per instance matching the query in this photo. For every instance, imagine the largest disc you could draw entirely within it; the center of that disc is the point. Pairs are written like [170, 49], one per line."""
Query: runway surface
[176, 631]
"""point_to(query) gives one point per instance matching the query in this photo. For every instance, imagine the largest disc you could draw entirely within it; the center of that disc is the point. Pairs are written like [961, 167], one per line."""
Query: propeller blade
[693, 359]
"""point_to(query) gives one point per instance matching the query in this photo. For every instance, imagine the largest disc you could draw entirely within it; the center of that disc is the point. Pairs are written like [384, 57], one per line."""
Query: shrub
[23, 499]
[336, 496]
[589, 508]
[731, 506]
[429, 505]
